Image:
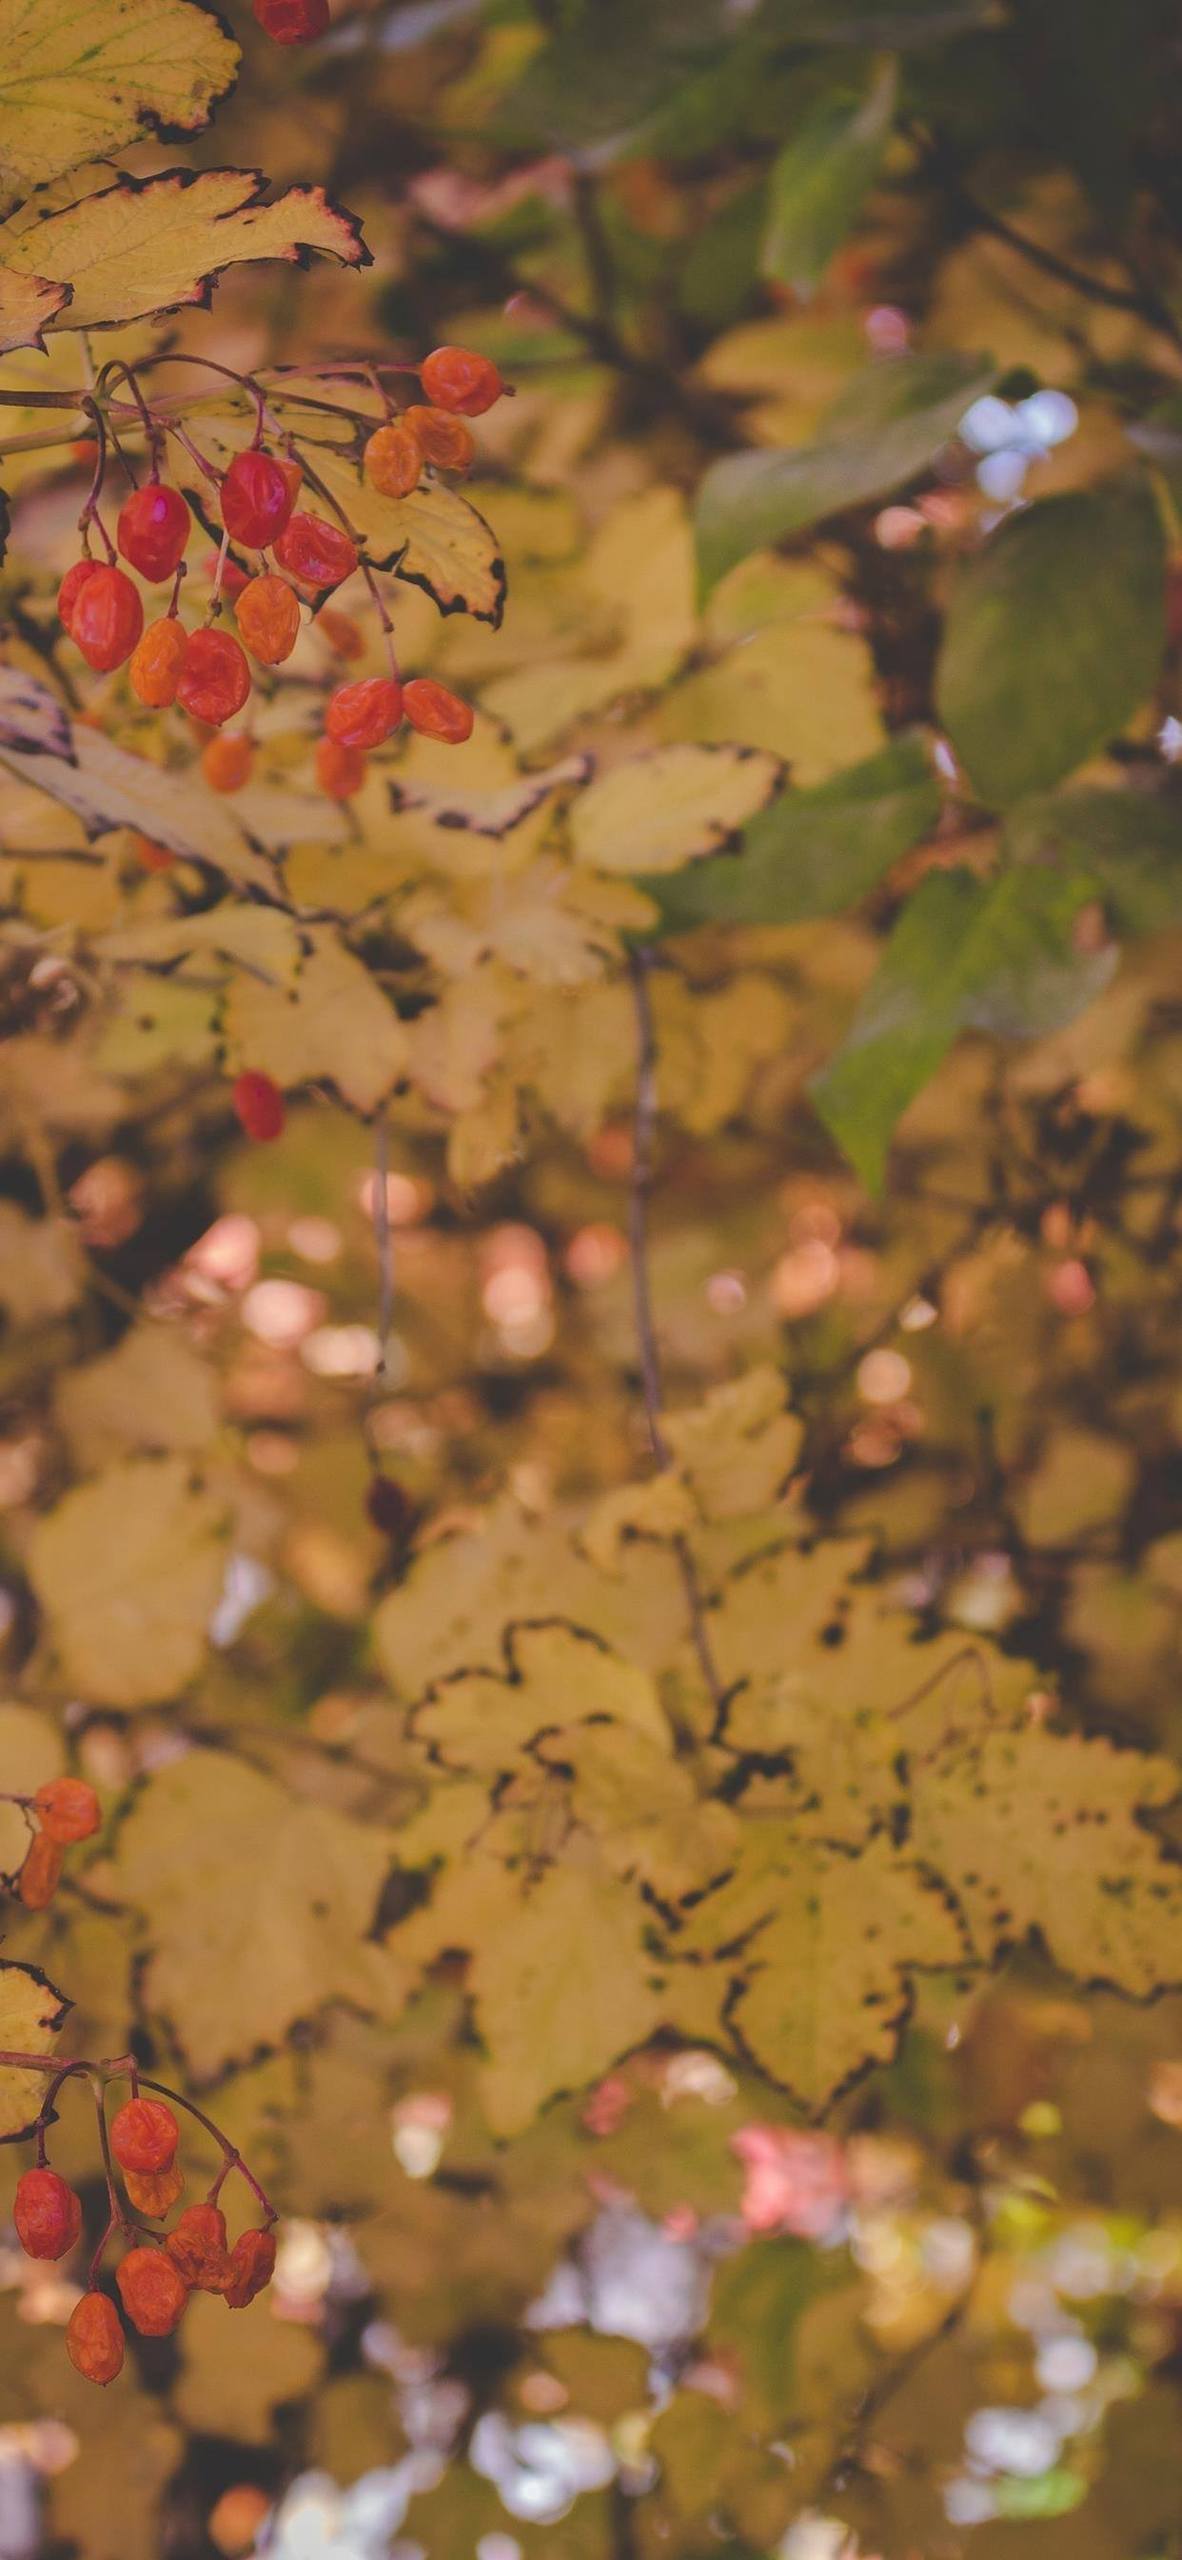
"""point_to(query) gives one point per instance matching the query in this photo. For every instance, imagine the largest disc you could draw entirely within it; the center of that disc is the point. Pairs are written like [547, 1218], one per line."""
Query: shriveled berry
[226, 763]
[316, 553]
[156, 663]
[71, 588]
[457, 378]
[94, 2338]
[441, 439]
[152, 2291]
[292, 21]
[154, 857]
[47, 2214]
[436, 712]
[365, 713]
[257, 499]
[68, 1809]
[268, 618]
[152, 530]
[215, 680]
[107, 619]
[144, 2135]
[252, 2265]
[154, 2191]
[258, 1104]
[340, 771]
[233, 579]
[393, 461]
[197, 2248]
[41, 1873]
[343, 635]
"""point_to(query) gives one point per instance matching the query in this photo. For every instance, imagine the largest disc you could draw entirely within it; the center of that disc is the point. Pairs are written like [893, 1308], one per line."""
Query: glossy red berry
[436, 712]
[316, 553]
[252, 2265]
[292, 21]
[41, 1873]
[340, 771]
[47, 2214]
[156, 663]
[441, 439]
[107, 619]
[68, 1809]
[94, 2338]
[226, 763]
[152, 530]
[456, 378]
[215, 680]
[152, 2290]
[393, 461]
[257, 499]
[197, 2248]
[365, 713]
[144, 2135]
[258, 1104]
[268, 616]
[71, 588]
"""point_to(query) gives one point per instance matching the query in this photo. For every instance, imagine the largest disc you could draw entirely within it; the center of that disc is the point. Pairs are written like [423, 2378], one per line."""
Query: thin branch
[382, 1237]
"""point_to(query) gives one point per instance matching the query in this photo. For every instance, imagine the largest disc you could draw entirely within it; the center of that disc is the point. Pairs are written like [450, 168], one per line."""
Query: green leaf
[1128, 843]
[963, 955]
[1053, 639]
[812, 853]
[821, 179]
[890, 426]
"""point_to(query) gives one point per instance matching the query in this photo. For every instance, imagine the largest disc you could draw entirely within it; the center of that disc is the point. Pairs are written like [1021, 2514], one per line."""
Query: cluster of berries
[63, 1811]
[156, 2276]
[206, 672]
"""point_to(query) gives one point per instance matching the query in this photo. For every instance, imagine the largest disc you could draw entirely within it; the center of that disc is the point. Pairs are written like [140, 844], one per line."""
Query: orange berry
[258, 1104]
[443, 440]
[47, 2214]
[107, 619]
[252, 2265]
[233, 2524]
[226, 762]
[340, 771]
[340, 631]
[436, 712]
[215, 680]
[154, 857]
[154, 2191]
[84, 451]
[316, 553]
[144, 2135]
[268, 617]
[41, 1873]
[365, 713]
[68, 1809]
[456, 378]
[393, 461]
[152, 2291]
[156, 663]
[94, 2338]
[198, 2249]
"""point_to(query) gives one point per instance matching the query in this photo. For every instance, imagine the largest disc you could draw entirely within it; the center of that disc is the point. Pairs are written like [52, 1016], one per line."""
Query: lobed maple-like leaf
[32, 2013]
[28, 306]
[76, 81]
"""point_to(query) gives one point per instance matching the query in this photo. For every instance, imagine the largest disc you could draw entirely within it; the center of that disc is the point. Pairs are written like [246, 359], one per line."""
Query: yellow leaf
[654, 812]
[484, 1139]
[42, 1267]
[76, 84]
[557, 1676]
[453, 1045]
[153, 1391]
[643, 1808]
[663, 1508]
[636, 593]
[485, 813]
[127, 1569]
[236, 2366]
[27, 306]
[30, 715]
[153, 244]
[107, 787]
[32, 2013]
[257, 1906]
[30, 1750]
[738, 1448]
[261, 938]
[334, 1023]
[800, 687]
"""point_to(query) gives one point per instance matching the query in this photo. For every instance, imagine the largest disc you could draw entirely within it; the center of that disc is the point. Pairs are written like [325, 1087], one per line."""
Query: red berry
[252, 2265]
[455, 378]
[441, 439]
[215, 680]
[257, 499]
[316, 553]
[292, 21]
[156, 663]
[438, 713]
[258, 1104]
[107, 619]
[144, 2135]
[226, 763]
[393, 461]
[47, 2214]
[154, 857]
[197, 2248]
[68, 1809]
[365, 713]
[152, 530]
[71, 588]
[268, 616]
[341, 632]
[94, 2338]
[152, 2291]
[340, 771]
[41, 1873]
[154, 2191]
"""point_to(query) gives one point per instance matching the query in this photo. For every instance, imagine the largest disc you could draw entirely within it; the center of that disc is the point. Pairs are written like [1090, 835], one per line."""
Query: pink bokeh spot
[793, 2182]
